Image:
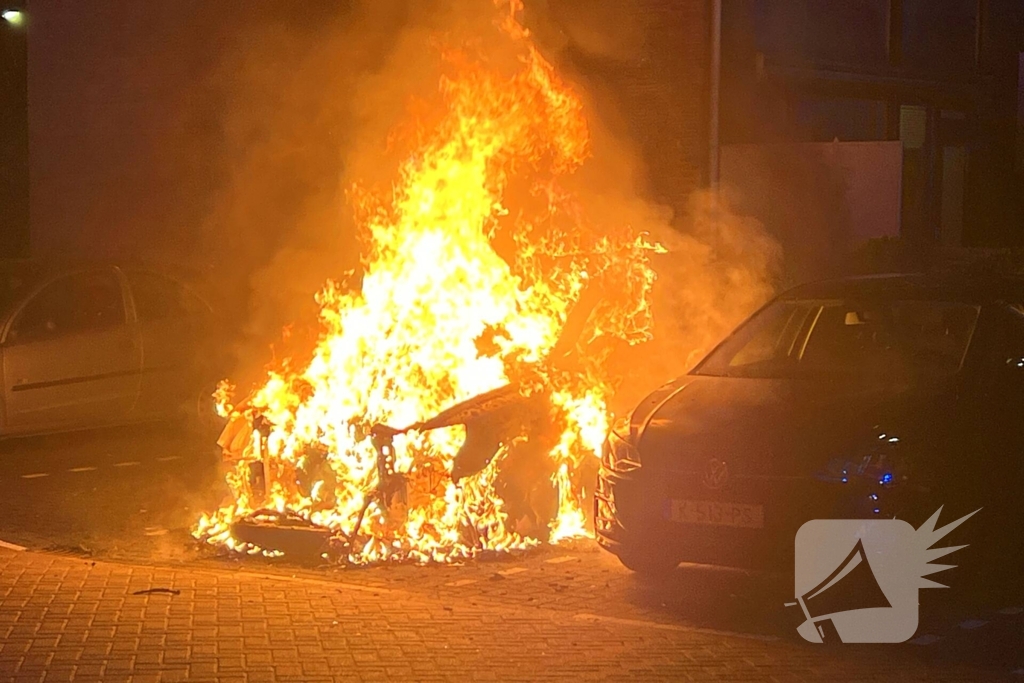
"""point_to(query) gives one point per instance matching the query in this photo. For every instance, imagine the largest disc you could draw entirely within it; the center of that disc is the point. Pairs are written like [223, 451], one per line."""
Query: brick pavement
[73, 619]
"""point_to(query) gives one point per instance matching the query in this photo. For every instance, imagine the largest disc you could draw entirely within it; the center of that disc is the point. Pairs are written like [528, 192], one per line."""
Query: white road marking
[513, 570]
[37, 475]
[1011, 610]
[82, 469]
[168, 458]
[154, 531]
[130, 463]
[461, 582]
[560, 560]
[594, 618]
[926, 639]
[11, 546]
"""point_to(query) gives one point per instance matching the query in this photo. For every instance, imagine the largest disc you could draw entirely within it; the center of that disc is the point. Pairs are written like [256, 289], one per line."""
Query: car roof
[38, 268]
[19, 276]
[973, 288]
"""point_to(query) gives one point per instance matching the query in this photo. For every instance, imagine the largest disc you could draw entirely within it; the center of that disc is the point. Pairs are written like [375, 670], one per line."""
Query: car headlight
[619, 454]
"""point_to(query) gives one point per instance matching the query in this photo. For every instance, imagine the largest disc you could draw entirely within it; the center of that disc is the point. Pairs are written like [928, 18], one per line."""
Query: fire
[474, 263]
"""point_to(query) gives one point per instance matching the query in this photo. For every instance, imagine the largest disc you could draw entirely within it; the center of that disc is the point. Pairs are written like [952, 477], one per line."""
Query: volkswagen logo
[716, 474]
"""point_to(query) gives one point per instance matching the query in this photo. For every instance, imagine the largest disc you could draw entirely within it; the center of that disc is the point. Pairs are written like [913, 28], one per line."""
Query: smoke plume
[300, 131]
[227, 137]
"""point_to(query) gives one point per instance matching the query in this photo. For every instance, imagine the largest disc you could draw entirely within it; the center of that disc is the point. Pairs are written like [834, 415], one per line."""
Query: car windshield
[815, 337]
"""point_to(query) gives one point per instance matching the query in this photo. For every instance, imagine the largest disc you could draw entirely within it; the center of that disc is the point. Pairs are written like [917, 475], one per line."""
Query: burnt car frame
[882, 396]
[87, 345]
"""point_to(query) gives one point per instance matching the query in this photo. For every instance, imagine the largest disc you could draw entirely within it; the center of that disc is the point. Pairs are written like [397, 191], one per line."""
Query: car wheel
[646, 562]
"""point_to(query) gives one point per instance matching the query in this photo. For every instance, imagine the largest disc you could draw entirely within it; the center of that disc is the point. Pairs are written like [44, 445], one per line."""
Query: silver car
[96, 345]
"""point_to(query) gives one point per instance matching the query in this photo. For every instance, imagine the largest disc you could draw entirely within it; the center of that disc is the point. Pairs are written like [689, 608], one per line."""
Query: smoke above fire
[307, 112]
[459, 199]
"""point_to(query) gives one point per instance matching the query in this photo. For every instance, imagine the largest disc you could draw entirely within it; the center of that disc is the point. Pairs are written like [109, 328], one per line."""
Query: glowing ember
[473, 265]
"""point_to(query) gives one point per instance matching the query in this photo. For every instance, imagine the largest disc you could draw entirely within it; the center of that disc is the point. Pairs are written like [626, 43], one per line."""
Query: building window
[954, 169]
[939, 36]
[851, 33]
[916, 221]
[844, 119]
[913, 126]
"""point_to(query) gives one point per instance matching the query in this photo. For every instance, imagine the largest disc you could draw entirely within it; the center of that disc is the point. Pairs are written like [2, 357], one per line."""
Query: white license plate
[716, 514]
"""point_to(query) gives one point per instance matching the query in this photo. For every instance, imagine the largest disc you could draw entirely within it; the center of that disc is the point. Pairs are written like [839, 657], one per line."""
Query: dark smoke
[225, 136]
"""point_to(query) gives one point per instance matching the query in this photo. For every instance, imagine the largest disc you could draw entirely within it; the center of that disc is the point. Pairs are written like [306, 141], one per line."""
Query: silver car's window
[15, 283]
[81, 302]
[157, 297]
[808, 338]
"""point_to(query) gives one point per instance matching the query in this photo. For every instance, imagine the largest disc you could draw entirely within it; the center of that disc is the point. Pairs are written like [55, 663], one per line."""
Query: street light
[14, 17]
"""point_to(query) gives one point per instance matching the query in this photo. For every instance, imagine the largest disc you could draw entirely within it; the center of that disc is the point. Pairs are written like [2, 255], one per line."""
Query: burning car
[884, 396]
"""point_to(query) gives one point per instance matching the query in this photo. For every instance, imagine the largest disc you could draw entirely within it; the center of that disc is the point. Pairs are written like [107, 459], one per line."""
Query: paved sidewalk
[72, 619]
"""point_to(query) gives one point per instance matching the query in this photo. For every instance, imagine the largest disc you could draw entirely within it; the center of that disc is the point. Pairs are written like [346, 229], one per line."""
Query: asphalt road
[130, 492]
[131, 495]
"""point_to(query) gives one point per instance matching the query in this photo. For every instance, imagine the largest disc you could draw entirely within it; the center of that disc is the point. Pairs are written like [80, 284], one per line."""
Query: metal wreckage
[518, 417]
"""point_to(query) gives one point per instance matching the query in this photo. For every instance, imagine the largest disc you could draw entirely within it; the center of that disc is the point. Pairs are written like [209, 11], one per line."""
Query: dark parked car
[90, 345]
[884, 396]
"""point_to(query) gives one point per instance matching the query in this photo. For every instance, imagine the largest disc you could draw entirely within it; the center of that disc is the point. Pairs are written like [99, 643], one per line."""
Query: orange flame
[441, 316]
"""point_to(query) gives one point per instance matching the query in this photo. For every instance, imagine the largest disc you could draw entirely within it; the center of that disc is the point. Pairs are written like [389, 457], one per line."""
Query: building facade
[940, 77]
[831, 122]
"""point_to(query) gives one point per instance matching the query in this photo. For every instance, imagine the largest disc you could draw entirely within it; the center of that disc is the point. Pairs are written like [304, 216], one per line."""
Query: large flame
[441, 316]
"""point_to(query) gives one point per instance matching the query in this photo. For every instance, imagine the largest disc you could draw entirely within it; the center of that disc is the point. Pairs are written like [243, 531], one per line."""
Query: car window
[15, 282]
[926, 334]
[82, 302]
[776, 337]
[808, 338]
[158, 297]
